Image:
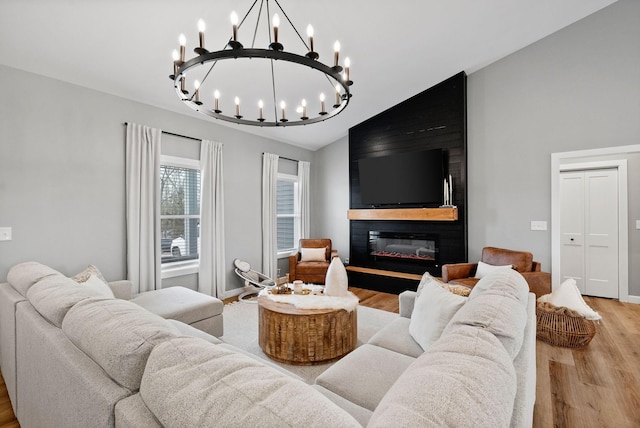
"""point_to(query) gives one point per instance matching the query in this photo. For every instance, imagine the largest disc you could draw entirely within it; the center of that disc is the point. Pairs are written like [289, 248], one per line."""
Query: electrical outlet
[5, 234]
[538, 225]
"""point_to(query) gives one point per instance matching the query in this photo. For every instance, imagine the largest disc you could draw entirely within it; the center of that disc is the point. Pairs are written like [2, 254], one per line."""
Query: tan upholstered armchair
[309, 264]
[522, 261]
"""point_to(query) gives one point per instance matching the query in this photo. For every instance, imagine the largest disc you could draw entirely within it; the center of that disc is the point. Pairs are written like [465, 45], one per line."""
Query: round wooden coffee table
[305, 336]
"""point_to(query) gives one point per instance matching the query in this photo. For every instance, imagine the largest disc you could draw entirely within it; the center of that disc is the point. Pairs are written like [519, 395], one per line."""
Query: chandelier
[306, 74]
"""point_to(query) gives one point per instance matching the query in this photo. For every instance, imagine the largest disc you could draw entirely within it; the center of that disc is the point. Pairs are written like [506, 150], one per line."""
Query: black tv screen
[413, 178]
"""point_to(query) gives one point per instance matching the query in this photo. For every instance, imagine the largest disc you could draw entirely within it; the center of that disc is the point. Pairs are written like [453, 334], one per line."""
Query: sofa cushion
[432, 311]
[180, 303]
[365, 375]
[23, 275]
[395, 337]
[466, 379]
[191, 383]
[498, 304]
[118, 335]
[54, 295]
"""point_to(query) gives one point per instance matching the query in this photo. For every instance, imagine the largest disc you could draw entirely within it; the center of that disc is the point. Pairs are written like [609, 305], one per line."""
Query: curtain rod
[176, 135]
[282, 157]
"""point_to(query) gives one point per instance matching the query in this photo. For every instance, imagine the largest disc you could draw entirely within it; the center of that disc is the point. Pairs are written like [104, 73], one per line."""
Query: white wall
[62, 185]
[576, 89]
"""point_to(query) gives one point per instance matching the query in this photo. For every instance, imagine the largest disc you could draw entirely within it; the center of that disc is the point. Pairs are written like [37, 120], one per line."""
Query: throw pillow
[433, 308]
[460, 290]
[92, 277]
[313, 254]
[568, 295]
[99, 286]
[485, 269]
[85, 274]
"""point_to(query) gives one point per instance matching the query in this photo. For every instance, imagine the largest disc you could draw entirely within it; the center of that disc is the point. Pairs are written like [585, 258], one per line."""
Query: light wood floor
[597, 386]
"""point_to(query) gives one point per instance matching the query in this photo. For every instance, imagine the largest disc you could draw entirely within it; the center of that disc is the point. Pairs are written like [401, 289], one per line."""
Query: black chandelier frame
[234, 50]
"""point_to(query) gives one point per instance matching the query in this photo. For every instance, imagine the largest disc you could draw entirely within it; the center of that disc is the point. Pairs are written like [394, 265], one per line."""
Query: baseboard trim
[634, 299]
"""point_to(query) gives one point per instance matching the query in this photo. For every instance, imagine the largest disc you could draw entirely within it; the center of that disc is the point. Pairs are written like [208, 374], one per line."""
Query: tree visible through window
[179, 213]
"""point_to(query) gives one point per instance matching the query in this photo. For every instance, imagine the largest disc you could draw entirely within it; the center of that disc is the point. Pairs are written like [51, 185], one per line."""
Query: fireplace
[401, 248]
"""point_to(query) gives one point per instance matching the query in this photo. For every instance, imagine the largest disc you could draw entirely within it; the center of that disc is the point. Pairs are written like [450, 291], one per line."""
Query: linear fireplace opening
[402, 247]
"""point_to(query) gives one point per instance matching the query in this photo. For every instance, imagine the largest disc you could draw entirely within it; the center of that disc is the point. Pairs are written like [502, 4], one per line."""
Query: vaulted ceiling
[397, 49]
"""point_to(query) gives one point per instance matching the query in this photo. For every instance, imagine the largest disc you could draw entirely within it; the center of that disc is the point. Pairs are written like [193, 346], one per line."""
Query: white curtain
[303, 197]
[212, 254]
[269, 219]
[143, 206]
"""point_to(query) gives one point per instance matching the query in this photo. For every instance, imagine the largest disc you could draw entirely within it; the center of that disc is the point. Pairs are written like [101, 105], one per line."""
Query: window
[288, 214]
[179, 209]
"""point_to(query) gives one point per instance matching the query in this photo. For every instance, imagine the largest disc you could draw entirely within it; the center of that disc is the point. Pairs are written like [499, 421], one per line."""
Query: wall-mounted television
[412, 178]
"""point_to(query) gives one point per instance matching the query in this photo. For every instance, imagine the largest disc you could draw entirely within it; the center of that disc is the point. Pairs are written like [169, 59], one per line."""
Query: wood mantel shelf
[424, 214]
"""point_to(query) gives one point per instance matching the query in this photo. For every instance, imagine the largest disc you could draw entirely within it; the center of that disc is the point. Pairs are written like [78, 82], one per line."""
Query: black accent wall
[435, 118]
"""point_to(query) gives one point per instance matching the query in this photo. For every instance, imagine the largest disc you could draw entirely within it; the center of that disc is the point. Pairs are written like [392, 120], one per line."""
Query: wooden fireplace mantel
[423, 214]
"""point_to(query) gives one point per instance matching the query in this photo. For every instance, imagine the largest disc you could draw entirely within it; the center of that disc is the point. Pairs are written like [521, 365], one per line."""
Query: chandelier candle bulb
[234, 23]
[183, 42]
[310, 35]
[347, 64]
[304, 110]
[216, 98]
[237, 107]
[336, 55]
[196, 87]
[282, 107]
[176, 57]
[201, 28]
[322, 109]
[260, 106]
[338, 98]
[276, 24]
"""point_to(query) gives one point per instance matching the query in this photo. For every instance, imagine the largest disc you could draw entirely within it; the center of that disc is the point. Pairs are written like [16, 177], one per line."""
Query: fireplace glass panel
[403, 247]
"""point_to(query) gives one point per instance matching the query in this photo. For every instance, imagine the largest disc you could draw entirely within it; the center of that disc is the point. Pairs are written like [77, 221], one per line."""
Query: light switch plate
[5, 234]
[637, 224]
[538, 225]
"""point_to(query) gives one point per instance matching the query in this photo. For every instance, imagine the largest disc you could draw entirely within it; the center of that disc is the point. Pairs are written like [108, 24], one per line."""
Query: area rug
[241, 330]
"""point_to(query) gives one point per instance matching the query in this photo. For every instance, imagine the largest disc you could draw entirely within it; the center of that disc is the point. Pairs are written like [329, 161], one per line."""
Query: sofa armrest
[406, 300]
[334, 254]
[454, 271]
[122, 289]
[539, 282]
[536, 266]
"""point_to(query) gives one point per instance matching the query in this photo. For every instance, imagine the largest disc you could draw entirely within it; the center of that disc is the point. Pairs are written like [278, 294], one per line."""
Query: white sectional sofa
[83, 360]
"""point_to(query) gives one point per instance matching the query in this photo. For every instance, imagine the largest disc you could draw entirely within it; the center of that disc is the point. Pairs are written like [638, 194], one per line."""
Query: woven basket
[561, 326]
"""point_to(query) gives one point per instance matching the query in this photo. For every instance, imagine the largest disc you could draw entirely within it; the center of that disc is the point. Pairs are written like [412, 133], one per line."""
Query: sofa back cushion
[189, 382]
[465, 379]
[498, 303]
[23, 275]
[118, 335]
[54, 295]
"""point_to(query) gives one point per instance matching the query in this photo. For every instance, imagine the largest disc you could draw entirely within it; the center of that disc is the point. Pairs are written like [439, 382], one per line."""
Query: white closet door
[589, 230]
[601, 233]
[572, 254]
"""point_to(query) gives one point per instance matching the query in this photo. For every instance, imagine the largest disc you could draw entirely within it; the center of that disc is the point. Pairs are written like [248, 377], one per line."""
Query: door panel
[572, 227]
[601, 233]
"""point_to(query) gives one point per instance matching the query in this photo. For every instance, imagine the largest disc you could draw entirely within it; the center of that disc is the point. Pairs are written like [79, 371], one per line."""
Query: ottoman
[183, 304]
